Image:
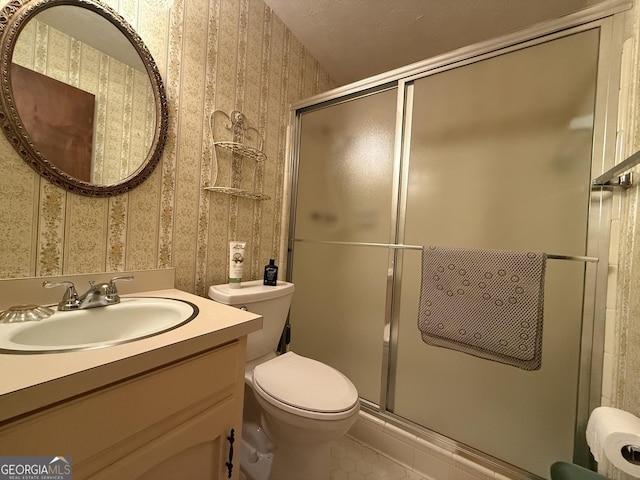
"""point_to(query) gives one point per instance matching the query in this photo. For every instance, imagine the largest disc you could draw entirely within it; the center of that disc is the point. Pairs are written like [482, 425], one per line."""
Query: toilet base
[253, 464]
[296, 464]
[256, 456]
[260, 460]
[301, 445]
[299, 453]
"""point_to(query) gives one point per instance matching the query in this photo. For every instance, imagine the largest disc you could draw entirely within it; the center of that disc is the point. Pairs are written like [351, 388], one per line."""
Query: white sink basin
[132, 319]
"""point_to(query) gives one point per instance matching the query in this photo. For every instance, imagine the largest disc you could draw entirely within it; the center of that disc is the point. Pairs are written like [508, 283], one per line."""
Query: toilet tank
[272, 302]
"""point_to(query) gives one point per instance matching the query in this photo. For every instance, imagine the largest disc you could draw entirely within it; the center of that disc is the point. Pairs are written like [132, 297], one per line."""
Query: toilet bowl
[302, 405]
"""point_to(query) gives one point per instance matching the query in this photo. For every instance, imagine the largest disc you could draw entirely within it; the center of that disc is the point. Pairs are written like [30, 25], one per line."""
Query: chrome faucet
[98, 295]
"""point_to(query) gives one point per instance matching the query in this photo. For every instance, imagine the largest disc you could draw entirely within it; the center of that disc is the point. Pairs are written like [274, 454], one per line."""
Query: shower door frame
[608, 18]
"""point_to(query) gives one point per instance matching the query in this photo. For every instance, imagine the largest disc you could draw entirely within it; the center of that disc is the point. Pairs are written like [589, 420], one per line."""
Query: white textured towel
[487, 303]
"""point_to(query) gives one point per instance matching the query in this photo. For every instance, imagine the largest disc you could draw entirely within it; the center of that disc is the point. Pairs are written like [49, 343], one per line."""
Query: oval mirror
[82, 99]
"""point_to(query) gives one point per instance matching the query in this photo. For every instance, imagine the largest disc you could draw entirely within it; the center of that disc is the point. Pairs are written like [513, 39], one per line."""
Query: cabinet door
[199, 449]
[101, 427]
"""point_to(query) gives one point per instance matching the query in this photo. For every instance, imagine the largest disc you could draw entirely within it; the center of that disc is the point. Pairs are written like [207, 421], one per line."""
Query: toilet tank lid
[253, 291]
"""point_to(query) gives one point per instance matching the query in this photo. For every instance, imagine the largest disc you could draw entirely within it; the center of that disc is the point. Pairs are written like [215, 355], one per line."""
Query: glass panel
[345, 185]
[336, 317]
[345, 174]
[500, 159]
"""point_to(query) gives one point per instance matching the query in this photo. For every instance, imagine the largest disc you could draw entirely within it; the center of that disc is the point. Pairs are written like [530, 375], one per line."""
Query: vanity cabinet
[172, 422]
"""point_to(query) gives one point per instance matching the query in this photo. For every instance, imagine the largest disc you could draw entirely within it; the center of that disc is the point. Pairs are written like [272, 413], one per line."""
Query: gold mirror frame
[13, 16]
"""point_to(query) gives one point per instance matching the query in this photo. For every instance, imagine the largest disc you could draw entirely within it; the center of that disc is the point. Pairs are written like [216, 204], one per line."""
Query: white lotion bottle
[236, 263]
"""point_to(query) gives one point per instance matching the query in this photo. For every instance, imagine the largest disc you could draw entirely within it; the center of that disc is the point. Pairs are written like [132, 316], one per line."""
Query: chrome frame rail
[577, 258]
[604, 180]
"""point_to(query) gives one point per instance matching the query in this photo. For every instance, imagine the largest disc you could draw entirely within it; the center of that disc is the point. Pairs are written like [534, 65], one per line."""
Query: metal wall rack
[237, 128]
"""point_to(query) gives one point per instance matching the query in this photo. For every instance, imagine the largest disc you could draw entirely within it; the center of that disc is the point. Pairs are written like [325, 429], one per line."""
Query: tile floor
[351, 460]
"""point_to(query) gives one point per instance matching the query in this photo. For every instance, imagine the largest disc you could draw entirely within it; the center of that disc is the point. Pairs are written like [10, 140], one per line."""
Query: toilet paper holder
[631, 453]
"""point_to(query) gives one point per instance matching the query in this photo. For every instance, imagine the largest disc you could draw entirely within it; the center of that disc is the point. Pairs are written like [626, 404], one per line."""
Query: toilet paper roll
[610, 434]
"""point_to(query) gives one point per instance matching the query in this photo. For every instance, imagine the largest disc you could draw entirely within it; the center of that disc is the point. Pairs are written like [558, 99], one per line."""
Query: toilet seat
[305, 387]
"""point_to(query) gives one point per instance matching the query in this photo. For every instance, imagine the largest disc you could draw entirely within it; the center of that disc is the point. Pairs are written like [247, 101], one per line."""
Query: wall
[621, 366]
[218, 54]
[622, 345]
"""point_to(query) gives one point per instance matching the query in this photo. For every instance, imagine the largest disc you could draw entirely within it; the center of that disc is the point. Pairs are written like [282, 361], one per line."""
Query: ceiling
[356, 39]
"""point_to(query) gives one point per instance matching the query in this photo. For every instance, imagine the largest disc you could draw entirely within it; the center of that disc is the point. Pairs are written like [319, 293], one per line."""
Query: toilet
[294, 406]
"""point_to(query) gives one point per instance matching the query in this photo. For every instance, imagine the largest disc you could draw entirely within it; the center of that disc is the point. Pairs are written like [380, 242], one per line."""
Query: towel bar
[625, 180]
[577, 258]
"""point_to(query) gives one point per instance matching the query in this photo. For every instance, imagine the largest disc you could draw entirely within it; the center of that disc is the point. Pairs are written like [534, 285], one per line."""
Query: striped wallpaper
[228, 55]
[213, 55]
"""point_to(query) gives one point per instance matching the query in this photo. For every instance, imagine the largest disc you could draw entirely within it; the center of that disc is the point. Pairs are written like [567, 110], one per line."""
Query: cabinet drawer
[85, 426]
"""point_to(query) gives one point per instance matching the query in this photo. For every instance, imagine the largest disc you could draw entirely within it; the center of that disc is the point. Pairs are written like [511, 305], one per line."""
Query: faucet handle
[69, 293]
[70, 298]
[112, 283]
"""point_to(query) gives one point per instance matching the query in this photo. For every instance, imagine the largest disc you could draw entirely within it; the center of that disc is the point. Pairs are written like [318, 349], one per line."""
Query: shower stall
[492, 147]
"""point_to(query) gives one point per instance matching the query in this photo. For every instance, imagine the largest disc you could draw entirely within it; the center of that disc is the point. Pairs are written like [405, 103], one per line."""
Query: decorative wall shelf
[245, 144]
[243, 150]
[237, 192]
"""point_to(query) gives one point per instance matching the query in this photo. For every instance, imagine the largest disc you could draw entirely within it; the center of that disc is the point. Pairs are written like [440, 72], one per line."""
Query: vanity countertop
[32, 381]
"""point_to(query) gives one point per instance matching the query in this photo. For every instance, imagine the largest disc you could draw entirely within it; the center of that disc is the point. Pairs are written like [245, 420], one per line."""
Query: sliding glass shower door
[493, 152]
[500, 158]
[345, 188]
